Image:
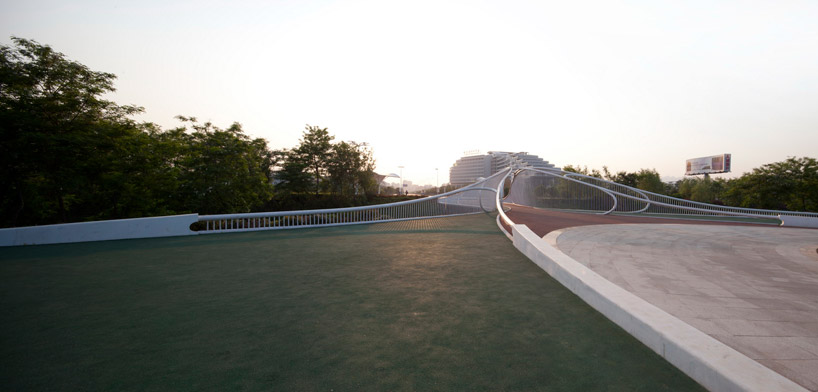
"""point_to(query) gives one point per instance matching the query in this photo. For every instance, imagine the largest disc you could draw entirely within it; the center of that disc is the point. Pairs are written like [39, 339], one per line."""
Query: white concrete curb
[711, 363]
[160, 226]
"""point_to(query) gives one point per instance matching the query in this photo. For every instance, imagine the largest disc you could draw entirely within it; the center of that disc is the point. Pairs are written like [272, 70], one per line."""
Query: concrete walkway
[752, 288]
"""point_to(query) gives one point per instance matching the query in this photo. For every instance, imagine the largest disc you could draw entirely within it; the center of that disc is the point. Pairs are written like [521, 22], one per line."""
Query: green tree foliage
[645, 179]
[622, 177]
[703, 190]
[789, 185]
[66, 154]
[582, 170]
[135, 175]
[53, 125]
[345, 170]
[291, 176]
[314, 153]
[649, 180]
[683, 188]
[222, 170]
[351, 170]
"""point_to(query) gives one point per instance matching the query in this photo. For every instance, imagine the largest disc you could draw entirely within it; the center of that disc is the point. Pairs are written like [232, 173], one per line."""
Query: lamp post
[437, 178]
[401, 180]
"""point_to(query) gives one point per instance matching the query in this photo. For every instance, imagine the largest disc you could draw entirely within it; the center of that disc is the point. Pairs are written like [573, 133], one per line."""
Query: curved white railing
[622, 188]
[472, 199]
[534, 187]
[502, 219]
[613, 197]
[563, 190]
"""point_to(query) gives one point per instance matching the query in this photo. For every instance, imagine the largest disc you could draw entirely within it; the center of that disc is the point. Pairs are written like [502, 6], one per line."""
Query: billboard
[708, 165]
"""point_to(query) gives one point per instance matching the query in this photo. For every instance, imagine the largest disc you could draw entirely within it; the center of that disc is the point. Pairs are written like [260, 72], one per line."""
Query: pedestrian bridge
[425, 294]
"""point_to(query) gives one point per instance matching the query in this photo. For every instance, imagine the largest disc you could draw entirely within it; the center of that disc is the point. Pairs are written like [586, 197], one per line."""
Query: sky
[626, 84]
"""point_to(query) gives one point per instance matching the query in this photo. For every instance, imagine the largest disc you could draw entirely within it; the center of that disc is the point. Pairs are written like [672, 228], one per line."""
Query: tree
[684, 188]
[649, 180]
[351, 169]
[583, 170]
[625, 178]
[134, 175]
[52, 119]
[788, 185]
[800, 179]
[291, 176]
[66, 154]
[314, 152]
[703, 191]
[223, 170]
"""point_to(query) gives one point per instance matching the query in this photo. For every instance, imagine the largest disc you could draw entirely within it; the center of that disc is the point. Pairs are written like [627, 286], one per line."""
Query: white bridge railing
[539, 188]
[472, 199]
[561, 190]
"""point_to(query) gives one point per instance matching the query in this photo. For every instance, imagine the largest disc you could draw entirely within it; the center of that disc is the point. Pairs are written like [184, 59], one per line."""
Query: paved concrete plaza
[752, 288]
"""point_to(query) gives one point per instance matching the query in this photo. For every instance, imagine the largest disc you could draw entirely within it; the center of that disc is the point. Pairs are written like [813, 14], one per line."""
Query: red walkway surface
[543, 222]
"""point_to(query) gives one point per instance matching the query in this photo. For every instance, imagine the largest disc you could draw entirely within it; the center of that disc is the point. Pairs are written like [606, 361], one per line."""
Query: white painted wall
[161, 226]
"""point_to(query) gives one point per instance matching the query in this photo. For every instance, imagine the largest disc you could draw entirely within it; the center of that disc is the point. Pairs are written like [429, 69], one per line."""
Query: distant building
[469, 168]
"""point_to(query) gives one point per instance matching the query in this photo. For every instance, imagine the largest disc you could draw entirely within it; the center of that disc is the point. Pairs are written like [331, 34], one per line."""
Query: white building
[469, 168]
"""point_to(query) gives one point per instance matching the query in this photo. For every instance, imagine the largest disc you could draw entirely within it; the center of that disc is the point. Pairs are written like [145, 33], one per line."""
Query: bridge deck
[443, 304]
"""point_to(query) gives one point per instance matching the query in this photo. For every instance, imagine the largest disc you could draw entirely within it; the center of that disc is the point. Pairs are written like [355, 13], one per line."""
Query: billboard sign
[708, 165]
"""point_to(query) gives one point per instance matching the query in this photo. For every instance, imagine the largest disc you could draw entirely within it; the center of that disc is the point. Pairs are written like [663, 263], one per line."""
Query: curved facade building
[469, 168]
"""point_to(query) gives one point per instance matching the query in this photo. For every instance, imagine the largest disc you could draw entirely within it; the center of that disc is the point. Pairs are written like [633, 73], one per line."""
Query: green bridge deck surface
[440, 304]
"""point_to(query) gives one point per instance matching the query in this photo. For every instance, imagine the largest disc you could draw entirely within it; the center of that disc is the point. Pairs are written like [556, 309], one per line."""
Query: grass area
[441, 304]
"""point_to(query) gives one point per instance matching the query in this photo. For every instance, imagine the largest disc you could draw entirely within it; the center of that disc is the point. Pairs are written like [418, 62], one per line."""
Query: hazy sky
[628, 84]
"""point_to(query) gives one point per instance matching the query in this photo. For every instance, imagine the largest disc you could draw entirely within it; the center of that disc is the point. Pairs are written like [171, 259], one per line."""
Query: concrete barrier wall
[711, 363]
[798, 221]
[162, 226]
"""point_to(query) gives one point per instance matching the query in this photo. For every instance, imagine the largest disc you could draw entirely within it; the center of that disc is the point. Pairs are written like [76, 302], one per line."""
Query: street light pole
[401, 180]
